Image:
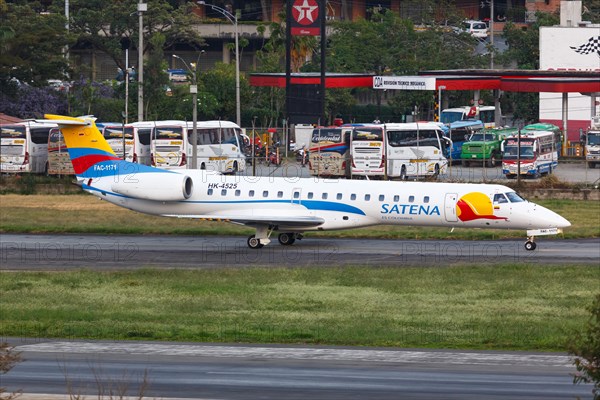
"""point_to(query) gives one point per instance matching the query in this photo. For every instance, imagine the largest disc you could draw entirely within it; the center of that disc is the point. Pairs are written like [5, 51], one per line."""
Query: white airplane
[292, 206]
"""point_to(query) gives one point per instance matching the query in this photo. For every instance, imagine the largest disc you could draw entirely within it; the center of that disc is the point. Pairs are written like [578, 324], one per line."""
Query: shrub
[586, 349]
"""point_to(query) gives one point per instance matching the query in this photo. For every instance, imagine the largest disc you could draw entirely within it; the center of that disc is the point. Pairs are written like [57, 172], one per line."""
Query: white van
[478, 29]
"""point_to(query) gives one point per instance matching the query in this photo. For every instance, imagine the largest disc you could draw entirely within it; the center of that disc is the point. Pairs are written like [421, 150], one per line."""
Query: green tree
[31, 45]
[220, 84]
[524, 52]
[110, 26]
[156, 79]
[268, 102]
[390, 45]
[586, 349]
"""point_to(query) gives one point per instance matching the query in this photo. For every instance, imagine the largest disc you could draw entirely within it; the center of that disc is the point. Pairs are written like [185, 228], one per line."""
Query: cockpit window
[514, 197]
[499, 198]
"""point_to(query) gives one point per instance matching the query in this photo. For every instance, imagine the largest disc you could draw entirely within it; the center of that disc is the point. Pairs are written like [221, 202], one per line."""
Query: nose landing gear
[530, 245]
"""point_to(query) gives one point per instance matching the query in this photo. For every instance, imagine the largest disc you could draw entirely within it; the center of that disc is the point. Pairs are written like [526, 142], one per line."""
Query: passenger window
[237, 193]
[324, 196]
[367, 197]
[209, 192]
[426, 199]
[396, 198]
[310, 195]
[223, 192]
[411, 199]
[296, 195]
[280, 194]
[266, 193]
[381, 197]
[352, 196]
[339, 196]
[499, 198]
[251, 193]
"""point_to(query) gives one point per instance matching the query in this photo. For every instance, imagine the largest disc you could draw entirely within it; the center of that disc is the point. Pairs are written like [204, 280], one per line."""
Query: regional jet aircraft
[292, 206]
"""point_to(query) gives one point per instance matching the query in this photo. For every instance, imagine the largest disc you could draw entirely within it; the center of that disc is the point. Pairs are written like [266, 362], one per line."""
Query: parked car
[478, 29]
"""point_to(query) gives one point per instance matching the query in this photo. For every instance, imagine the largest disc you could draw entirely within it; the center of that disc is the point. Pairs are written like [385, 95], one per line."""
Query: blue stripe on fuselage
[121, 167]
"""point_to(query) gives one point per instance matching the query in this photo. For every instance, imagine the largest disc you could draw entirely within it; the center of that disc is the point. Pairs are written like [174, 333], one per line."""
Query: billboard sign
[306, 18]
[569, 49]
[403, 83]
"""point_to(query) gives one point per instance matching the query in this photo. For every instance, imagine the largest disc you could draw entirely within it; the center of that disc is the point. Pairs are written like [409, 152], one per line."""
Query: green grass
[478, 307]
[87, 214]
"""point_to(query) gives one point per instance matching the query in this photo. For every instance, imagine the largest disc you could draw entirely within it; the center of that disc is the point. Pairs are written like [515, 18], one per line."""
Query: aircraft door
[450, 207]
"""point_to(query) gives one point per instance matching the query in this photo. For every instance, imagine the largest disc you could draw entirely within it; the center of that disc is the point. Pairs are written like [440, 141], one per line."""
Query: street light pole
[194, 92]
[238, 111]
[141, 8]
[234, 20]
[492, 35]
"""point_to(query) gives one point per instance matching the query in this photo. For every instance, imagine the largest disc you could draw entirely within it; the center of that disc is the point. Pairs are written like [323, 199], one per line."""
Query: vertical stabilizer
[90, 153]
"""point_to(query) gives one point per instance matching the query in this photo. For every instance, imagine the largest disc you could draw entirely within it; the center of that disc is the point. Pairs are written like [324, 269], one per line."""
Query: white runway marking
[301, 353]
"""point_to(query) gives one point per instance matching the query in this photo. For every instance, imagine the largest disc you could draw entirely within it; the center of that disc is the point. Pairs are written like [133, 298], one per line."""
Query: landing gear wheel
[254, 243]
[286, 239]
[530, 245]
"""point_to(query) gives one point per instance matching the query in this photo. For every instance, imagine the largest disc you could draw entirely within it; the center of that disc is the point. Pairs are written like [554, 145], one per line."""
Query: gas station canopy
[558, 81]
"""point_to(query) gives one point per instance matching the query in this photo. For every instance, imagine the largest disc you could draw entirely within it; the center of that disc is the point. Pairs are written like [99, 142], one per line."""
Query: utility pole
[233, 18]
[141, 8]
[492, 35]
[194, 93]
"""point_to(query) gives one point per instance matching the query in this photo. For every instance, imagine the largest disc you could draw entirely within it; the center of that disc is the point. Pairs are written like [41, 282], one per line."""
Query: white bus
[219, 145]
[415, 150]
[367, 150]
[59, 162]
[537, 155]
[167, 148]
[137, 140]
[24, 147]
[485, 114]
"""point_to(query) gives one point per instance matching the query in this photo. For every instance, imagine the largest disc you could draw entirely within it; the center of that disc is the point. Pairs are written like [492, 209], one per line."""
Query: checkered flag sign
[592, 45]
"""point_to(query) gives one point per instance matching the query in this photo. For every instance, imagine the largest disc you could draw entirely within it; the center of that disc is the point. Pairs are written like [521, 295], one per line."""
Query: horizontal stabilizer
[65, 122]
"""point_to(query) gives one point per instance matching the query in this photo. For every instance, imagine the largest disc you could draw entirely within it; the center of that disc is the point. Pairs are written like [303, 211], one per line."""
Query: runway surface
[107, 252]
[208, 371]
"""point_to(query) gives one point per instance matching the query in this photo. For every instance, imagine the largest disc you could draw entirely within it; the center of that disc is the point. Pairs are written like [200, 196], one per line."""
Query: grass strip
[87, 214]
[467, 307]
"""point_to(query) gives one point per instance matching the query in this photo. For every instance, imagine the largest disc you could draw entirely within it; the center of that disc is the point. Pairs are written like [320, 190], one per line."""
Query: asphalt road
[108, 252]
[207, 371]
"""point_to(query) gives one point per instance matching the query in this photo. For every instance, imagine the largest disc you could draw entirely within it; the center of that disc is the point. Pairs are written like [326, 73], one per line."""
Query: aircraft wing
[252, 220]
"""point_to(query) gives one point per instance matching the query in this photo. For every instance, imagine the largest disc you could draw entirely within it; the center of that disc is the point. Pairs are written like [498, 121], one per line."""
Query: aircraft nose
[549, 218]
[562, 222]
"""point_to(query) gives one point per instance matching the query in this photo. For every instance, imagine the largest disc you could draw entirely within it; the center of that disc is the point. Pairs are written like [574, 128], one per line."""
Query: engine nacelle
[156, 186]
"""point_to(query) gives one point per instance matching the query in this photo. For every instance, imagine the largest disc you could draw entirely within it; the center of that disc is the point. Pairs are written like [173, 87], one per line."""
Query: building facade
[219, 33]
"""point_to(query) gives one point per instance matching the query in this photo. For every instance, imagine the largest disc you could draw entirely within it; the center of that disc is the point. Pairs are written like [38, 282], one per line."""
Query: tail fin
[90, 153]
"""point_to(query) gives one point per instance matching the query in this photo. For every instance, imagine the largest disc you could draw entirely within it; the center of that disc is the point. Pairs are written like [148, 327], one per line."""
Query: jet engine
[155, 186]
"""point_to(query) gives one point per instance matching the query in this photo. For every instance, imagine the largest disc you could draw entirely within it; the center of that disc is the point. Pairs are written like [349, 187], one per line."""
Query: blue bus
[459, 132]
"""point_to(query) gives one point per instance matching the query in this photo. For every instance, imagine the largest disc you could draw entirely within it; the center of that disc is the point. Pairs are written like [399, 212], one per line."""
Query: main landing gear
[288, 238]
[262, 238]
